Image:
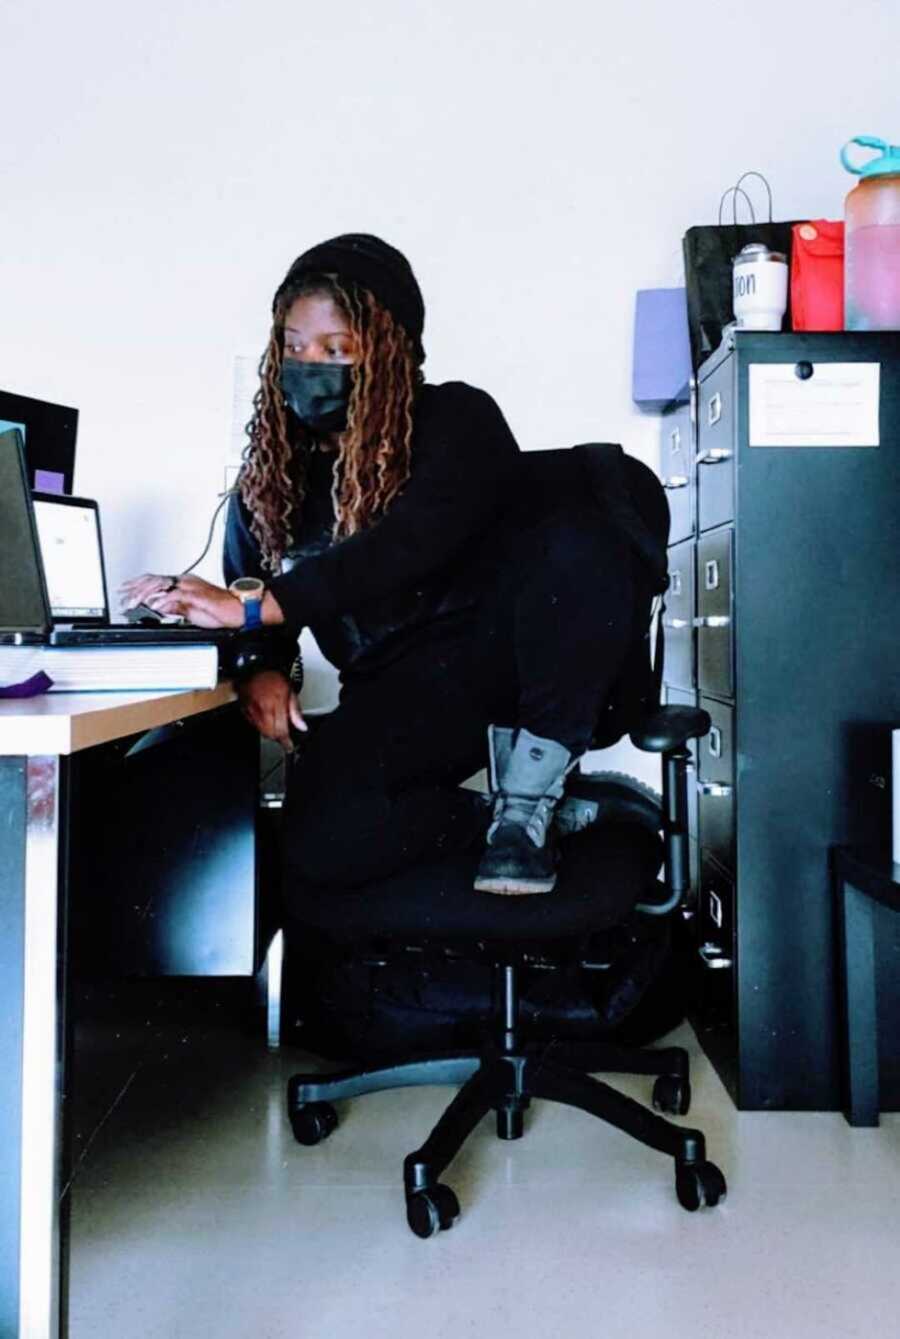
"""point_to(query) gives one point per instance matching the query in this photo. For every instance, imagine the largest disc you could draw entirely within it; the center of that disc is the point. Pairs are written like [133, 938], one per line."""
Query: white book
[122, 669]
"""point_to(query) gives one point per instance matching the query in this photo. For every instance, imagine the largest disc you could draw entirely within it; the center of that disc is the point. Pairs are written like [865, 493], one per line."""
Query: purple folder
[662, 352]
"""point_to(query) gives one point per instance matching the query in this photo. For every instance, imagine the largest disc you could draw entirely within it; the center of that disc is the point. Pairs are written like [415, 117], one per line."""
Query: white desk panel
[64, 723]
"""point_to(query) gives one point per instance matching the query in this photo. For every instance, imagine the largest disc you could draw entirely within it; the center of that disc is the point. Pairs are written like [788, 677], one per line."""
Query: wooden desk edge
[120, 715]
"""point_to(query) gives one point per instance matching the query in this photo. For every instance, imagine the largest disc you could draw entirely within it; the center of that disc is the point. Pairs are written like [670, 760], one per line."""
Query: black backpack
[630, 498]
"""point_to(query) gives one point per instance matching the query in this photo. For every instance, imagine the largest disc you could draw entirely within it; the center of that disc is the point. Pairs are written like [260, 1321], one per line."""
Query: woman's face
[317, 331]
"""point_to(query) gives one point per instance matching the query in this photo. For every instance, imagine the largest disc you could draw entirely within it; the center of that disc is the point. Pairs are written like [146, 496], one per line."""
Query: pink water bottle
[872, 239]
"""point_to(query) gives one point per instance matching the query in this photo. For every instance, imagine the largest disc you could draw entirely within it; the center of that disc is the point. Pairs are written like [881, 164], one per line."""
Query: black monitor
[48, 432]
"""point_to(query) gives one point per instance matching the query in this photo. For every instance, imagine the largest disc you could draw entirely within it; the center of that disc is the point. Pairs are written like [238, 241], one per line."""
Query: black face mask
[318, 393]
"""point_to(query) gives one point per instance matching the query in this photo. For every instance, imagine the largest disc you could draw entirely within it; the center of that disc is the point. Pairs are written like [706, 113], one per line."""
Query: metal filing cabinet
[677, 467]
[792, 573]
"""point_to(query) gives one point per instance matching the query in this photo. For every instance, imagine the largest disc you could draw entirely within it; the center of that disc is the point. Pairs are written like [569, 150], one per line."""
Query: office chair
[608, 872]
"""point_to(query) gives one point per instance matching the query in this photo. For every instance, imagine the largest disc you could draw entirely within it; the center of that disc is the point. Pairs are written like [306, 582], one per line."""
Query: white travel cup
[760, 288]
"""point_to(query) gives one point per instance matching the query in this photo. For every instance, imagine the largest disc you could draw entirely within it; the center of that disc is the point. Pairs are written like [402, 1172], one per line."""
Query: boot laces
[524, 811]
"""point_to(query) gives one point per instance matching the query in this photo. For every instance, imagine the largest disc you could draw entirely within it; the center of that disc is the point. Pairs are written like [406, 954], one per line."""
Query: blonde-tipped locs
[373, 462]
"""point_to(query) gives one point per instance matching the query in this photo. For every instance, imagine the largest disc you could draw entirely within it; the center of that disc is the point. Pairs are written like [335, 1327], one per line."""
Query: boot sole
[515, 887]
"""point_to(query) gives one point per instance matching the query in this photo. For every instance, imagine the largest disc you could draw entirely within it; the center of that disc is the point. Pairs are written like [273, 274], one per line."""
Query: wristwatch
[250, 592]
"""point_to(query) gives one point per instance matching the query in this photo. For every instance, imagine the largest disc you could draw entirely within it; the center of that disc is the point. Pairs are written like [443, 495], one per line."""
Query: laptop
[55, 592]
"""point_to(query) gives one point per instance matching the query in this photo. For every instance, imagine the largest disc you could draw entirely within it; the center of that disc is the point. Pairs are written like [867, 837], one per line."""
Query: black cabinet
[790, 642]
[175, 894]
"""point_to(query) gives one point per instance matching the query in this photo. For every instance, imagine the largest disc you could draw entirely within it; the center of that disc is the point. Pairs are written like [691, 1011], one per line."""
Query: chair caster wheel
[673, 1096]
[699, 1185]
[433, 1210]
[313, 1122]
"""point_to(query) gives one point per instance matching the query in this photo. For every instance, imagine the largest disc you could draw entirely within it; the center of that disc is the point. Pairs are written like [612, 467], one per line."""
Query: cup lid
[758, 251]
[885, 164]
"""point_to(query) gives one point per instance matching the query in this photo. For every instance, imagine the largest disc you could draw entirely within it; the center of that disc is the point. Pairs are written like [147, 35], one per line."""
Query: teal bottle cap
[886, 164]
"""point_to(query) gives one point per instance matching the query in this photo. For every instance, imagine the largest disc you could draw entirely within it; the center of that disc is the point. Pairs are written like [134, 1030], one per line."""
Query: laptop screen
[69, 532]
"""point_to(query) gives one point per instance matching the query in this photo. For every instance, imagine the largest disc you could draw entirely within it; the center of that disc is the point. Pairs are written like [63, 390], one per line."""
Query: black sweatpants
[375, 787]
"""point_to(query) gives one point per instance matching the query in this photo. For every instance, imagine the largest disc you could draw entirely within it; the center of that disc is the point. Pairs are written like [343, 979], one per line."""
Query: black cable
[223, 498]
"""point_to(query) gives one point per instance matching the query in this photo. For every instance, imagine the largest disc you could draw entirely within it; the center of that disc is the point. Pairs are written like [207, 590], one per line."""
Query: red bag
[817, 276]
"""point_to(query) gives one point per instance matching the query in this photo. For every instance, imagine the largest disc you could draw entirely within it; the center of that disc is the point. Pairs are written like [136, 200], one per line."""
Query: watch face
[247, 586]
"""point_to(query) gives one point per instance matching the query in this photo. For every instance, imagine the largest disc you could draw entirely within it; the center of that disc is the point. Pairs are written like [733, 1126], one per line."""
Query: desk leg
[859, 1015]
[273, 970]
[32, 1048]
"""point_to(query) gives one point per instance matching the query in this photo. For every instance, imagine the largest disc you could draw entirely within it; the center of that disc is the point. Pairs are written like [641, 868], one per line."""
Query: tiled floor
[194, 1213]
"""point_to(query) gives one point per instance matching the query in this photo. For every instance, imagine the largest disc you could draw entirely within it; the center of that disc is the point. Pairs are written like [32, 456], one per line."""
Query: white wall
[160, 165]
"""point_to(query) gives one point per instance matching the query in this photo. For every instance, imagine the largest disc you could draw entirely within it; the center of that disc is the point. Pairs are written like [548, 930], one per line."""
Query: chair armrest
[669, 727]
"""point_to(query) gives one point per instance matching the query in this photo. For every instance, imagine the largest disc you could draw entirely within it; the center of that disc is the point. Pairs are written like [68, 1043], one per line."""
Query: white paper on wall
[244, 386]
[836, 406]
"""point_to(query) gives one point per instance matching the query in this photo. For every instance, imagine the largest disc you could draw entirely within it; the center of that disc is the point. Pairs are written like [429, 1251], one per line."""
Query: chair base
[505, 1080]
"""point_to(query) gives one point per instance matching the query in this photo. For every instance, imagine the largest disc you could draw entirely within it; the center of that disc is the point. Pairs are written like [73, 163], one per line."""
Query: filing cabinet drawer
[678, 619]
[716, 750]
[715, 448]
[715, 912]
[716, 785]
[715, 672]
[716, 946]
[677, 470]
[716, 818]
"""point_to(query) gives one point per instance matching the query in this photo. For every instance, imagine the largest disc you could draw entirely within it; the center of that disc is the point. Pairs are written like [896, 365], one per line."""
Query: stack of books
[121, 669]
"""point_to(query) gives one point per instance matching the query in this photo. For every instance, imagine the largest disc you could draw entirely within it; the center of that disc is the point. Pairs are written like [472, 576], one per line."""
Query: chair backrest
[631, 498]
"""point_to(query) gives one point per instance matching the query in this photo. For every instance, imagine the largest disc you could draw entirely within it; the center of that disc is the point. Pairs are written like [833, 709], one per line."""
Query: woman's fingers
[148, 581]
[274, 723]
[296, 716]
[167, 602]
[269, 705]
[137, 590]
[204, 605]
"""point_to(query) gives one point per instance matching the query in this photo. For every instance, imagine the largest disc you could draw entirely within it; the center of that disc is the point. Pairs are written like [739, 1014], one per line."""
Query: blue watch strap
[252, 614]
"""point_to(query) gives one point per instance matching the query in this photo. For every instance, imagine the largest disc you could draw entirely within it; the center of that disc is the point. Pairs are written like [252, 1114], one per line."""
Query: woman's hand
[199, 601]
[137, 590]
[270, 704]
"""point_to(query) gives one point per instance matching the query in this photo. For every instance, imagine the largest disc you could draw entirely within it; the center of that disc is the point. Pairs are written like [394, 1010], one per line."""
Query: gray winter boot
[527, 775]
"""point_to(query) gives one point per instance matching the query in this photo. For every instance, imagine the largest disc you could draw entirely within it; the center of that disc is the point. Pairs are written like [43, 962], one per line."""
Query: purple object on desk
[662, 352]
[49, 481]
[33, 687]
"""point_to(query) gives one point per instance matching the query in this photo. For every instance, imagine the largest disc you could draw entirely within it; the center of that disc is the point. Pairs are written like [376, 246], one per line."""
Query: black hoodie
[419, 568]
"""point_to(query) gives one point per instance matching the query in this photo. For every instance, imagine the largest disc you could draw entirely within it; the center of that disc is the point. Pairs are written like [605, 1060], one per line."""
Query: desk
[863, 877]
[37, 740]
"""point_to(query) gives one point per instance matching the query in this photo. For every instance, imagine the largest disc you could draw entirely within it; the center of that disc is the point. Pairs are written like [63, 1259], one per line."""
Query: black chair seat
[604, 870]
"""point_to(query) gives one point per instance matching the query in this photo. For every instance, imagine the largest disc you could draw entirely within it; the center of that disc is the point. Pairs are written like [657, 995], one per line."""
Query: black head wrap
[374, 265]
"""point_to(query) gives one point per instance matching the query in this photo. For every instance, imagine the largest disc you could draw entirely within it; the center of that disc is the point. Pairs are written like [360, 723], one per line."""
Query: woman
[392, 518]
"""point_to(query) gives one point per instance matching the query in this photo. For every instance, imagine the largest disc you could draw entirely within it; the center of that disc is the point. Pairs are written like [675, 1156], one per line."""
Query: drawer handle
[676, 623]
[712, 621]
[676, 481]
[714, 409]
[711, 574]
[714, 456]
[712, 956]
[675, 583]
[713, 788]
[675, 437]
[715, 741]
